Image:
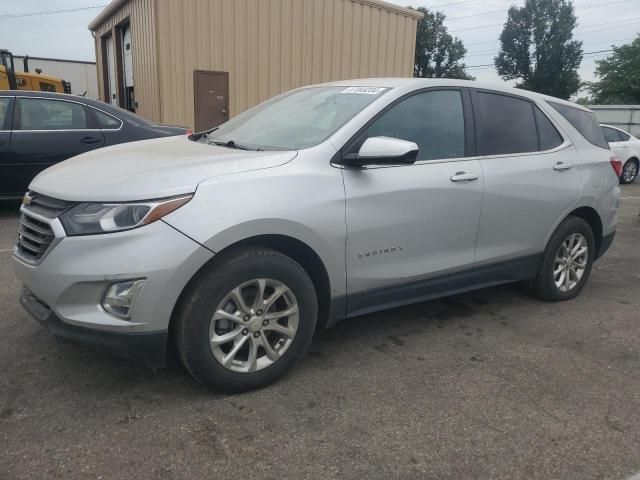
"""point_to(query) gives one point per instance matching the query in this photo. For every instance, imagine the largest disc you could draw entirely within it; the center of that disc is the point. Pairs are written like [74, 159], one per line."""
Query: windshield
[296, 120]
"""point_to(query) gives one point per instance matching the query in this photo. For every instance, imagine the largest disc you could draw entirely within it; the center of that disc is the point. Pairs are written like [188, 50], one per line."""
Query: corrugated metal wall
[626, 117]
[142, 16]
[270, 46]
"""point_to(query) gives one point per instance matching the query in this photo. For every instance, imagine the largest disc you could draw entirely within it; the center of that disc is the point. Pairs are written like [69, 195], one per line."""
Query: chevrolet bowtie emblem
[26, 200]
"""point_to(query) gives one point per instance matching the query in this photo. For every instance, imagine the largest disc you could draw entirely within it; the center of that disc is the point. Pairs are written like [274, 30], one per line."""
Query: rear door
[47, 131]
[531, 177]
[6, 170]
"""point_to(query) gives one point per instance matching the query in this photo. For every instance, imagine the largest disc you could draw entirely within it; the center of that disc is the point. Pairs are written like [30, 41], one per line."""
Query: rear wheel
[246, 320]
[567, 261]
[629, 171]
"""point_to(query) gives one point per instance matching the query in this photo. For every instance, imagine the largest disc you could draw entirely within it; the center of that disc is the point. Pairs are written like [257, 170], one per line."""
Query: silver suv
[322, 203]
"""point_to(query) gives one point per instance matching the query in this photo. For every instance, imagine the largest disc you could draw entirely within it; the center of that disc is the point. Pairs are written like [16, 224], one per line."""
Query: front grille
[46, 206]
[34, 234]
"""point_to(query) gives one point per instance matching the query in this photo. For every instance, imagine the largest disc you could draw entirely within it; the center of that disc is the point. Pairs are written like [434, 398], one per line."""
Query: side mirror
[383, 151]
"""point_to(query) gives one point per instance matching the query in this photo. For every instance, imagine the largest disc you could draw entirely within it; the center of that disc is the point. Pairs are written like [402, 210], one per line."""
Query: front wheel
[629, 171]
[567, 261]
[246, 320]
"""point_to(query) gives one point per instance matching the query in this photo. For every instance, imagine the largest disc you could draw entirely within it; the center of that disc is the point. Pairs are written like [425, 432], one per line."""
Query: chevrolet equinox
[322, 203]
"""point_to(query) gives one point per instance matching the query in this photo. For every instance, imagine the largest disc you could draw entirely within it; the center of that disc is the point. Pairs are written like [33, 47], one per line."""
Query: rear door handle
[464, 177]
[90, 140]
[561, 166]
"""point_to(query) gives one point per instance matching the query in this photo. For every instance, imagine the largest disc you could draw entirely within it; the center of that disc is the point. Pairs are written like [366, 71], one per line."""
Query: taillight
[616, 164]
[188, 132]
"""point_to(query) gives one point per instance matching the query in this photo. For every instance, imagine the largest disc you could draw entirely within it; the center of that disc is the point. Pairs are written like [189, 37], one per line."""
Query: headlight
[95, 218]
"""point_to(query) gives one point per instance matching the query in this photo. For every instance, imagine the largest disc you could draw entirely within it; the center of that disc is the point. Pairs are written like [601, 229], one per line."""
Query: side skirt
[430, 288]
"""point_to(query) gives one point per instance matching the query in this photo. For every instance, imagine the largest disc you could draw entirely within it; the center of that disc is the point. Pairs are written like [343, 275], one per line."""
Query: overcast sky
[601, 24]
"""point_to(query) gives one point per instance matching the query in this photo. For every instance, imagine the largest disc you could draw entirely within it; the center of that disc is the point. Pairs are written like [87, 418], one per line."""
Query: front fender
[304, 201]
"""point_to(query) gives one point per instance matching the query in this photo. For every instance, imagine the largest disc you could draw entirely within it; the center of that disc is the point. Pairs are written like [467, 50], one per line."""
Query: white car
[627, 148]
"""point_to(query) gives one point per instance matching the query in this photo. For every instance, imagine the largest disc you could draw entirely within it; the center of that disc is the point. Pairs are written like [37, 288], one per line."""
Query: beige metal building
[198, 62]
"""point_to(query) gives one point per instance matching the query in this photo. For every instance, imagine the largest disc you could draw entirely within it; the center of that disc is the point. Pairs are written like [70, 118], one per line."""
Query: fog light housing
[120, 298]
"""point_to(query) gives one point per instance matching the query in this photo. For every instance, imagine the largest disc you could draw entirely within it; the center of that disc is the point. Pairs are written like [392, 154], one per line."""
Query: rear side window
[624, 137]
[507, 125]
[584, 122]
[45, 114]
[4, 108]
[549, 136]
[610, 134]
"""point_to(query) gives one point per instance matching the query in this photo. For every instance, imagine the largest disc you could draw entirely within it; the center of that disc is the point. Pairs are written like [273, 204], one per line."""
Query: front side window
[45, 114]
[4, 108]
[434, 120]
[584, 122]
[507, 125]
[296, 120]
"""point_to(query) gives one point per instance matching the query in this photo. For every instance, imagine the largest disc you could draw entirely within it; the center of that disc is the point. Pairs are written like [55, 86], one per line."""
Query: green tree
[537, 47]
[619, 76]
[438, 54]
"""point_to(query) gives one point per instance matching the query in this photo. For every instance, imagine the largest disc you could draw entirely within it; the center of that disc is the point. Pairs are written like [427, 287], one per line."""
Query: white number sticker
[363, 90]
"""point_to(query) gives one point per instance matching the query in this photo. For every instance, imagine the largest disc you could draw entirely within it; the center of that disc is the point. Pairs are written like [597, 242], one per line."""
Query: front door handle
[464, 177]
[561, 166]
[90, 140]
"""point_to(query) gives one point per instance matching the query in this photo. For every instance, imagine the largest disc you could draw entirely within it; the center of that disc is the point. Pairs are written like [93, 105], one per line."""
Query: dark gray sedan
[39, 129]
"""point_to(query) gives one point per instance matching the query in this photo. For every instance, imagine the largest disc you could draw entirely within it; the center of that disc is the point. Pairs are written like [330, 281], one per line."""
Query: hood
[148, 169]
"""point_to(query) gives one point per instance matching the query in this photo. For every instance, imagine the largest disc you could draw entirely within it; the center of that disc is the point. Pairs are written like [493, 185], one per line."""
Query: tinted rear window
[507, 125]
[584, 122]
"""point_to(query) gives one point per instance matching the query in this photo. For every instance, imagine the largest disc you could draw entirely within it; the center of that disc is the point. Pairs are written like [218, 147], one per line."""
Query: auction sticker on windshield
[363, 90]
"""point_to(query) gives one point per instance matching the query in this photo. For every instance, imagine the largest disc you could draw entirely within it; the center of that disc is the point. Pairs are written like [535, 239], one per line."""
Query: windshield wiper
[232, 144]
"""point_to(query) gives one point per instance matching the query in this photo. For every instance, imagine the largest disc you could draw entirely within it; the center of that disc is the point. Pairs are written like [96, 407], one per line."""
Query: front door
[411, 229]
[47, 131]
[211, 91]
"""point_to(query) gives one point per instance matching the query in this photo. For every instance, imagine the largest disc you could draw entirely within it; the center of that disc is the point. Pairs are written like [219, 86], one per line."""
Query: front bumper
[148, 348]
[76, 272]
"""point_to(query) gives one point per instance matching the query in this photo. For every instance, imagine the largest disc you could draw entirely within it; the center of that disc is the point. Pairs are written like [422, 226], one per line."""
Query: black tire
[626, 165]
[209, 288]
[543, 285]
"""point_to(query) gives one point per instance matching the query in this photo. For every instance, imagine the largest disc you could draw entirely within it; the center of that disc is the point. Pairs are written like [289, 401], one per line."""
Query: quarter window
[549, 136]
[106, 121]
[584, 122]
[44, 114]
[507, 125]
[434, 120]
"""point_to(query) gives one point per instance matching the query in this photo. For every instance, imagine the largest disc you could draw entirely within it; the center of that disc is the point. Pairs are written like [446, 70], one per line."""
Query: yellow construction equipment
[12, 80]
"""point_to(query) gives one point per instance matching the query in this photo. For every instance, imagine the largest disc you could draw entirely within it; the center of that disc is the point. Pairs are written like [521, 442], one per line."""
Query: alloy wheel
[629, 171]
[254, 325]
[570, 262]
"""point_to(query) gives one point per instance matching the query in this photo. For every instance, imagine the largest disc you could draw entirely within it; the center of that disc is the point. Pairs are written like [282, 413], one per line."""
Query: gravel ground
[490, 384]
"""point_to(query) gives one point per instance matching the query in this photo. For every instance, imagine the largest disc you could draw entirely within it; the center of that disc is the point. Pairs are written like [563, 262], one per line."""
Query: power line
[485, 65]
[48, 12]
[486, 52]
[617, 22]
[450, 4]
[597, 5]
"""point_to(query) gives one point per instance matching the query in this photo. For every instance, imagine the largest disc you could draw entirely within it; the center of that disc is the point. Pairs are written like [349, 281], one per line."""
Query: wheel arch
[591, 216]
[292, 247]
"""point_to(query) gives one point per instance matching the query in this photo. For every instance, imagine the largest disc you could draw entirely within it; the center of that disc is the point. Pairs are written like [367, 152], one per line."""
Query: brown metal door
[211, 99]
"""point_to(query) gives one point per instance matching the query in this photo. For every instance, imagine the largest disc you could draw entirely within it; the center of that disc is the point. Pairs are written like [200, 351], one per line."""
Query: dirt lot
[491, 384]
